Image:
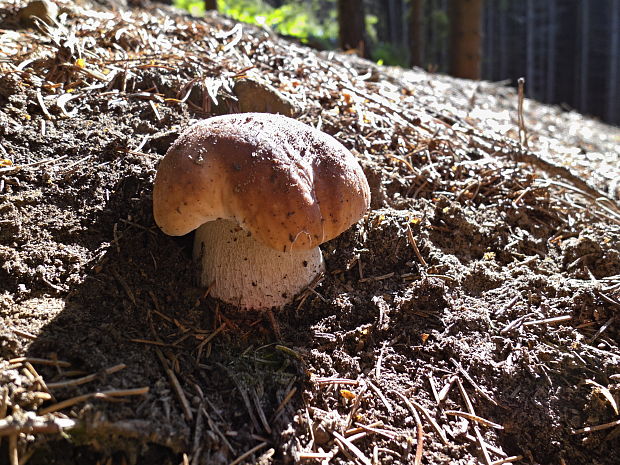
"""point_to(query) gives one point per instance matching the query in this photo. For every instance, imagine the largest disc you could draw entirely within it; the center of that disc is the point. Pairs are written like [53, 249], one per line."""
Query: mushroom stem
[241, 271]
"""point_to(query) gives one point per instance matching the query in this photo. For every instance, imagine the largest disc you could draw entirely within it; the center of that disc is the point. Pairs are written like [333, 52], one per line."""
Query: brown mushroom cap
[291, 186]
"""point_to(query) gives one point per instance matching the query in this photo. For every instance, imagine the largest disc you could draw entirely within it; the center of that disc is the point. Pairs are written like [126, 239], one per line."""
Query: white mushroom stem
[242, 271]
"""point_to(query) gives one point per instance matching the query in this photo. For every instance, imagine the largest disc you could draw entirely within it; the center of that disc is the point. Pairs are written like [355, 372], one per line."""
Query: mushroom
[263, 191]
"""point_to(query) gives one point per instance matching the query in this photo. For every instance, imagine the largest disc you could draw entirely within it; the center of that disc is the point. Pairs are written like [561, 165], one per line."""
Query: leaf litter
[471, 316]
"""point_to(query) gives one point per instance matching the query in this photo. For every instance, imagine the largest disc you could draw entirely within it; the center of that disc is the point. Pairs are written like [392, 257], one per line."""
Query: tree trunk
[465, 38]
[551, 38]
[613, 110]
[582, 71]
[210, 5]
[416, 33]
[351, 26]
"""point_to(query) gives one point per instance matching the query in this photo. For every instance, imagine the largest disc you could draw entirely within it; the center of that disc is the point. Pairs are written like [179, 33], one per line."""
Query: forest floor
[471, 317]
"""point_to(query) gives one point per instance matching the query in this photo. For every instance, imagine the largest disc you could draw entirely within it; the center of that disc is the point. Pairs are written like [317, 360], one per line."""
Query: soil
[470, 317]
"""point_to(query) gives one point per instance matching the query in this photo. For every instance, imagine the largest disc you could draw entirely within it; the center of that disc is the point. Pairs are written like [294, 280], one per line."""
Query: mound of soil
[471, 316]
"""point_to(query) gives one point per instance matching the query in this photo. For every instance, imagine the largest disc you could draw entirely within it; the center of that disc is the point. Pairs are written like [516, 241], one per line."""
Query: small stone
[260, 97]
[45, 10]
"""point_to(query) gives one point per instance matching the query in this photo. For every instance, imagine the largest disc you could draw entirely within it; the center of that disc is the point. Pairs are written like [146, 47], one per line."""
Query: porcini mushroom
[263, 191]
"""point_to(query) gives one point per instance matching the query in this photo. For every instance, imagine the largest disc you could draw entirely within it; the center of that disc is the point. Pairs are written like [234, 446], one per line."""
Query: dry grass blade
[42, 105]
[420, 442]
[198, 432]
[124, 284]
[154, 343]
[357, 436]
[377, 278]
[431, 381]
[609, 299]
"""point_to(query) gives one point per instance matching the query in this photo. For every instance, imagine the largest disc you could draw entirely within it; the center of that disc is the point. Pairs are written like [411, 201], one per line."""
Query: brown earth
[497, 339]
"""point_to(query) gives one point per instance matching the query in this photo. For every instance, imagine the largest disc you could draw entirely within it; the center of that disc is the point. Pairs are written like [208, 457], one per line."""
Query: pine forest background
[568, 51]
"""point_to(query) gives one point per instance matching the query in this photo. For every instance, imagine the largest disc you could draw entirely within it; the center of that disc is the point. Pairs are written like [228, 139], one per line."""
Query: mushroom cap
[291, 186]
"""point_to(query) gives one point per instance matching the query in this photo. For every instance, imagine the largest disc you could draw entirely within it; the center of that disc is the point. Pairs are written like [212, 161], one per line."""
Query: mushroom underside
[241, 271]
